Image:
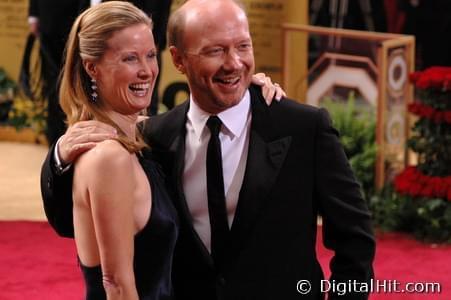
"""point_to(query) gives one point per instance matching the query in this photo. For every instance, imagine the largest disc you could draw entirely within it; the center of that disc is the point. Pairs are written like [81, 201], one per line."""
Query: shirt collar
[234, 118]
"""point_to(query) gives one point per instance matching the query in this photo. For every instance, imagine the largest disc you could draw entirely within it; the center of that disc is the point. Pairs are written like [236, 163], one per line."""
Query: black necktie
[215, 192]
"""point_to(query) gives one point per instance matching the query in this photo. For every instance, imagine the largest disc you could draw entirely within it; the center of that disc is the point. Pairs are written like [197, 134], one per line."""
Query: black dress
[154, 247]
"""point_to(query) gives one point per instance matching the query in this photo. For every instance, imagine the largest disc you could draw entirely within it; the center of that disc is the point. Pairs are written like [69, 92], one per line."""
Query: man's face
[217, 57]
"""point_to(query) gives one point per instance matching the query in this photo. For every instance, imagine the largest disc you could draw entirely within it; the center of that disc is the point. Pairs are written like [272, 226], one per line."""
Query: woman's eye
[130, 58]
[152, 55]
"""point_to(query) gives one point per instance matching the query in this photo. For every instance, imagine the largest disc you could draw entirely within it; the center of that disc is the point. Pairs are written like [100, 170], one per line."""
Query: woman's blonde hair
[88, 40]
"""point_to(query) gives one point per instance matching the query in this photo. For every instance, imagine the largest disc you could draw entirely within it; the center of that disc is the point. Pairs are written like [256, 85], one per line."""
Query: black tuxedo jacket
[296, 169]
[55, 16]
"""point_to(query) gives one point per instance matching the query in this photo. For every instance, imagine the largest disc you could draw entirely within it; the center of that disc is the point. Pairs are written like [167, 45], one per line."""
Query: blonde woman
[124, 223]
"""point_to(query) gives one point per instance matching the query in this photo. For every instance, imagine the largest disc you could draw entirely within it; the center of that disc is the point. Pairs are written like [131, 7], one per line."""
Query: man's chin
[228, 102]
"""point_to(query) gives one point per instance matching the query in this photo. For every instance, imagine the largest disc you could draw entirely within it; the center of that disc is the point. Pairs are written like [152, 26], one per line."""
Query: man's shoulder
[285, 106]
[163, 128]
[294, 106]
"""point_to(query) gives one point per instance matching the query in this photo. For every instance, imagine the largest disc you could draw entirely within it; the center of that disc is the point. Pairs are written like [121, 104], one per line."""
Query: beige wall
[13, 32]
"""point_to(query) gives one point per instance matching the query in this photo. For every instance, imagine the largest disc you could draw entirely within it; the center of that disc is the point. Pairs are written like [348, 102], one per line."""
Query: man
[51, 20]
[282, 165]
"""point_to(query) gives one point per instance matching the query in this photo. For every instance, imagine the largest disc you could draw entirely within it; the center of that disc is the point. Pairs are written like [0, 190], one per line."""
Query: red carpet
[36, 264]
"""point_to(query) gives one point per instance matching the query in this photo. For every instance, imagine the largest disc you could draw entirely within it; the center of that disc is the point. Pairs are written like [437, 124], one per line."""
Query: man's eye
[244, 47]
[214, 52]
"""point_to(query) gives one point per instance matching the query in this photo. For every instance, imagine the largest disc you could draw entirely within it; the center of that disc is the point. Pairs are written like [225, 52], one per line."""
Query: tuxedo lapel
[265, 158]
[177, 147]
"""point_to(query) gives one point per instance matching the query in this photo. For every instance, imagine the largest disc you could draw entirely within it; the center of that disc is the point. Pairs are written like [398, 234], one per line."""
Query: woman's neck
[125, 122]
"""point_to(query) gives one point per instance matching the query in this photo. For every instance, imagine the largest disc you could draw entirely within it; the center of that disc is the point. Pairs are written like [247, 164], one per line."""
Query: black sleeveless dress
[154, 247]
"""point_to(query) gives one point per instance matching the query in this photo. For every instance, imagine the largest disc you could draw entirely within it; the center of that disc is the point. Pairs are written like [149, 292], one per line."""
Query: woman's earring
[94, 90]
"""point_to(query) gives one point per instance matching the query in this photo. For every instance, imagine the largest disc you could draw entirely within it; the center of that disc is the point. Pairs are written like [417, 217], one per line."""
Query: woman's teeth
[140, 89]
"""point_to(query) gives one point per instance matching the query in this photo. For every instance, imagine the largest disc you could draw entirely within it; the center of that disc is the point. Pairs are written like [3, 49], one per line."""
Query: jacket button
[49, 183]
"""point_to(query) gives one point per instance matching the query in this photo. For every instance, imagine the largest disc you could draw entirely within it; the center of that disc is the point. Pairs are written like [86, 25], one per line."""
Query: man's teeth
[229, 80]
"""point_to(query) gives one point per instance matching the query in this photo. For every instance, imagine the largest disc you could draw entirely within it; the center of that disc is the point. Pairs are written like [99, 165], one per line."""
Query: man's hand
[81, 137]
[270, 90]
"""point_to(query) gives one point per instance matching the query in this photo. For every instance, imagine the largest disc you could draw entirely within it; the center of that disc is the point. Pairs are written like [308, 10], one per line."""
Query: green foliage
[18, 111]
[357, 129]
[431, 138]
[428, 219]
[6, 84]
[7, 90]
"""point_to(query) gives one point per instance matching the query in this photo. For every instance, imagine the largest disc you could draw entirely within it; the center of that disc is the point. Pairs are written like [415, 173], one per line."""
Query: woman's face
[126, 72]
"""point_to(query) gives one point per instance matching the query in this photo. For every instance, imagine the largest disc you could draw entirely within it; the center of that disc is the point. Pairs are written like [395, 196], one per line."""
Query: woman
[125, 226]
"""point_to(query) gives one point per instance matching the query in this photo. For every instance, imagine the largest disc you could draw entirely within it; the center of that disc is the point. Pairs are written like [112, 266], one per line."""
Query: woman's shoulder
[108, 155]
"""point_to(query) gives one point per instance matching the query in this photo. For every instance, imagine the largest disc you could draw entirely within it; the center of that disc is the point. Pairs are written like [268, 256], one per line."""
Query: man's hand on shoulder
[81, 137]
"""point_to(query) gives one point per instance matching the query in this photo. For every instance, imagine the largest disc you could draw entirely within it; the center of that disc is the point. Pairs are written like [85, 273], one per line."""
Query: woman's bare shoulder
[106, 156]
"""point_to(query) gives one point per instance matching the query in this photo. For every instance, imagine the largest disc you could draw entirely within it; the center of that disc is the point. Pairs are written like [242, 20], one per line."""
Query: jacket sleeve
[56, 193]
[33, 8]
[347, 228]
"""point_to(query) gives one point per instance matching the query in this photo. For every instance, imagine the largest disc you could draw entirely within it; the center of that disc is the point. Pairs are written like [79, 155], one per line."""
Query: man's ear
[177, 59]
[90, 68]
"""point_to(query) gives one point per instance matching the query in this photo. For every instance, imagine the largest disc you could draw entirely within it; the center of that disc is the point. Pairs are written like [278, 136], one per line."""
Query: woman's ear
[90, 68]
[177, 59]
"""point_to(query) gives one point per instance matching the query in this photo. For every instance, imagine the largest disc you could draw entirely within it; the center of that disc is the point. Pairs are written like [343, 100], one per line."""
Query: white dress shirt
[234, 137]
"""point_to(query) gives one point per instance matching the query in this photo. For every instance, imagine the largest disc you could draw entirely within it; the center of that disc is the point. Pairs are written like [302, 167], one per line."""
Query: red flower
[435, 77]
[429, 112]
[447, 116]
[412, 182]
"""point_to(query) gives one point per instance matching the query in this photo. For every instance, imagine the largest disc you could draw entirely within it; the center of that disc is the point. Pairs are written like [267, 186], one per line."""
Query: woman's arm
[111, 181]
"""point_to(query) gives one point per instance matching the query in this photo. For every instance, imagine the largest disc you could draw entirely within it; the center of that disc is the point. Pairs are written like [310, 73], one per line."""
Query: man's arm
[347, 227]
[56, 190]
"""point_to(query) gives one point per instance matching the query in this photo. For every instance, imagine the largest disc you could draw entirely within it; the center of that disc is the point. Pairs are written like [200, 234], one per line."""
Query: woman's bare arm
[110, 180]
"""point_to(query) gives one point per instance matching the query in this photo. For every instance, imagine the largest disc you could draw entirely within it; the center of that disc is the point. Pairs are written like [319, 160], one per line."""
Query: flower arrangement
[425, 189]
[26, 113]
[18, 110]
[7, 91]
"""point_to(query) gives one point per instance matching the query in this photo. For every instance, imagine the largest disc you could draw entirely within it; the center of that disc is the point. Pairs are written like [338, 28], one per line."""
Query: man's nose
[232, 60]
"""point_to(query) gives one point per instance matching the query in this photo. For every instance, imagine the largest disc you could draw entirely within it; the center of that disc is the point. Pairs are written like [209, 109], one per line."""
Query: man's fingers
[93, 125]
[92, 138]
[76, 150]
[81, 148]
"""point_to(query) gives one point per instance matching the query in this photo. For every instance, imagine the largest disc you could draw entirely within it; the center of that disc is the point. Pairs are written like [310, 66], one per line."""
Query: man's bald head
[193, 10]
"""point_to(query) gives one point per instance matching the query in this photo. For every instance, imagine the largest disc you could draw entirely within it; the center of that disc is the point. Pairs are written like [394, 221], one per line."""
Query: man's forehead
[212, 10]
